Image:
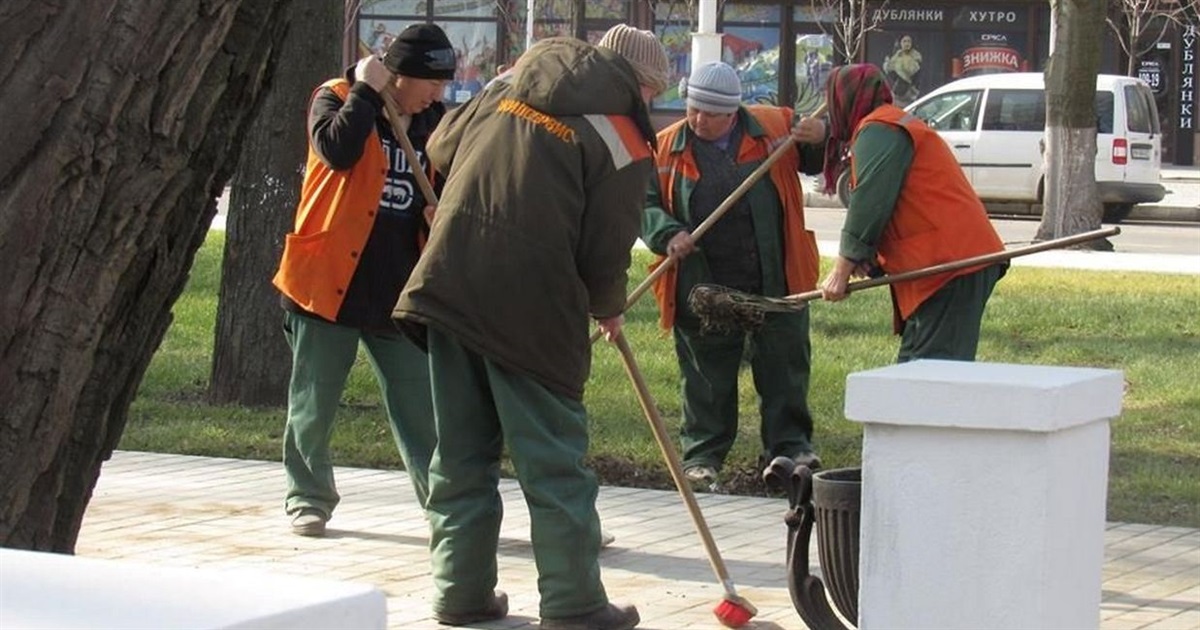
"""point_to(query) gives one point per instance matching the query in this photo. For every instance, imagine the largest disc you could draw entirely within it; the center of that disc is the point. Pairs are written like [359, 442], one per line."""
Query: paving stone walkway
[227, 514]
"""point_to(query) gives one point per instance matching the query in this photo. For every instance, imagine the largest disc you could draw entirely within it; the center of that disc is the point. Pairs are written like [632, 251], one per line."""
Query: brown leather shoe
[495, 609]
[611, 617]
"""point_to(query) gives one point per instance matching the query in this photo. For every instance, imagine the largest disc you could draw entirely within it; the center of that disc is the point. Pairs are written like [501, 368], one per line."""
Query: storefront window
[674, 23]
[472, 28]
[601, 16]
[751, 45]
[989, 40]
[750, 13]
[909, 45]
[607, 9]
[815, 55]
[456, 8]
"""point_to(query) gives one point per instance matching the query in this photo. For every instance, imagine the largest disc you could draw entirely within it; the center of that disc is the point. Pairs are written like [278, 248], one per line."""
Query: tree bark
[121, 117]
[1071, 203]
[250, 357]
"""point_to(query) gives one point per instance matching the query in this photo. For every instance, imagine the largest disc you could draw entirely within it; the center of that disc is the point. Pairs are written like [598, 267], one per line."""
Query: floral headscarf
[852, 92]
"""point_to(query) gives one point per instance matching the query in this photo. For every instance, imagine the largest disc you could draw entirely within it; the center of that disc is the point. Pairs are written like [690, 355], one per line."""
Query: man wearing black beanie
[422, 51]
[354, 244]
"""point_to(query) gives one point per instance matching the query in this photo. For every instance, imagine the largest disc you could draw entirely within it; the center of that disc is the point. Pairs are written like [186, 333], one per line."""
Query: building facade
[783, 49]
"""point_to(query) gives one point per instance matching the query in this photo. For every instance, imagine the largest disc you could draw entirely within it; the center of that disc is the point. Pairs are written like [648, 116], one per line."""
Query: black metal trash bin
[831, 501]
[837, 503]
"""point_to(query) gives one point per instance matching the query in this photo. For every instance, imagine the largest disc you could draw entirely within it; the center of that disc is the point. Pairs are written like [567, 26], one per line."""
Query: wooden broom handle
[674, 464]
[410, 154]
[984, 259]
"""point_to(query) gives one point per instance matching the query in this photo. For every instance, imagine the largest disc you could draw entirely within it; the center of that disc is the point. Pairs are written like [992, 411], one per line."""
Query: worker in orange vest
[910, 206]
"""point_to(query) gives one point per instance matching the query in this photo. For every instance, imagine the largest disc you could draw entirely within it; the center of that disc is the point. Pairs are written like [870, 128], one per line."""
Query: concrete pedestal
[46, 590]
[984, 489]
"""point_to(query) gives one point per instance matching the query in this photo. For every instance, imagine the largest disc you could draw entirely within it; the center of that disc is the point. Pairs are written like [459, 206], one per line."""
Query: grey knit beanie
[713, 87]
[643, 51]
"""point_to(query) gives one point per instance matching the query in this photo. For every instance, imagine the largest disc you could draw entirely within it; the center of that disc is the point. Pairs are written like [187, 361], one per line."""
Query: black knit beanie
[422, 51]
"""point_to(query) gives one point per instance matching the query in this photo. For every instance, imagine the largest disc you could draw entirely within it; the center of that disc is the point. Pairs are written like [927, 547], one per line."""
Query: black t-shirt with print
[391, 251]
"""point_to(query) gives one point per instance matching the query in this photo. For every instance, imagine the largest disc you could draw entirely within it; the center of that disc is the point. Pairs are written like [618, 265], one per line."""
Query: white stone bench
[46, 590]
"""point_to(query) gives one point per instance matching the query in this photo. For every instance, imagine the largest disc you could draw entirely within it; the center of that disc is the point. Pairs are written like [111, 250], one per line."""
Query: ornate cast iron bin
[831, 501]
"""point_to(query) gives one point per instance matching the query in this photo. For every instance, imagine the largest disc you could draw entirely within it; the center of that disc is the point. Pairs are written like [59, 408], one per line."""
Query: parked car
[995, 125]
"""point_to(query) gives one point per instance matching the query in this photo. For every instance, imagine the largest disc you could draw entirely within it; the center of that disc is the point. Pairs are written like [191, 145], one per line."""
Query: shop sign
[987, 53]
[1187, 79]
[979, 18]
[1150, 71]
[909, 15]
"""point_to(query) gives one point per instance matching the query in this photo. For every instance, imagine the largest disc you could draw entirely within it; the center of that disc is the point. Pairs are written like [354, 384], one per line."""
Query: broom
[733, 611]
[724, 309]
[708, 222]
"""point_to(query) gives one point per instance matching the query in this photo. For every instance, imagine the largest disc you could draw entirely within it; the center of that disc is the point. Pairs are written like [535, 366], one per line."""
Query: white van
[995, 123]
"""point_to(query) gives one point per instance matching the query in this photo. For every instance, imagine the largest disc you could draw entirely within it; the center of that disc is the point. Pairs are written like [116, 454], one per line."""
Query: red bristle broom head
[734, 612]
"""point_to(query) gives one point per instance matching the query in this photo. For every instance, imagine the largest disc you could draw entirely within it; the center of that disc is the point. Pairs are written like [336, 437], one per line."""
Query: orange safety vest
[800, 258]
[333, 220]
[938, 218]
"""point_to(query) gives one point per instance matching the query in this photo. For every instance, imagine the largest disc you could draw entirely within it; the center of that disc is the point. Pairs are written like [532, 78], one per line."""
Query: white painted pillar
[984, 490]
[706, 41]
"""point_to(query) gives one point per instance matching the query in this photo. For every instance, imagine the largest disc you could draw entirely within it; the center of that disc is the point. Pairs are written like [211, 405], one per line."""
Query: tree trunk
[250, 357]
[121, 116]
[1071, 203]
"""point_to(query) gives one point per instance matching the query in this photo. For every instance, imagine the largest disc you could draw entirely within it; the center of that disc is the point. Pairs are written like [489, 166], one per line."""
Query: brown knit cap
[643, 51]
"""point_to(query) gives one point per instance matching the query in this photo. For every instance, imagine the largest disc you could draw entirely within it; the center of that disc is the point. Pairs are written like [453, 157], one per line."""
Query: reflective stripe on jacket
[676, 163]
[938, 218]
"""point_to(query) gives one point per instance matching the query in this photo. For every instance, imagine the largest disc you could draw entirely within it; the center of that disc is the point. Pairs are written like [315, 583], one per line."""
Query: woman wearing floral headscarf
[910, 206]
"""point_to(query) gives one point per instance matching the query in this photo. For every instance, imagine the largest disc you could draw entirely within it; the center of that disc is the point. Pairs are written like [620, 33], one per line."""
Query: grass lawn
[1144, 324]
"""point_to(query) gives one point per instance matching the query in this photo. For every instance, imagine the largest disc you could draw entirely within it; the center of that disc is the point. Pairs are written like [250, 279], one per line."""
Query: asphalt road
[1135, 237]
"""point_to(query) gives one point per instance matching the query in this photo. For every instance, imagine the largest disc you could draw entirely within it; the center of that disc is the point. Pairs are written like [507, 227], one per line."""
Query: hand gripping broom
[708, 222]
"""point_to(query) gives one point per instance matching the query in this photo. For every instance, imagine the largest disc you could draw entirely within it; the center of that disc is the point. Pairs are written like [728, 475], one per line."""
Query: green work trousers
[946, 326]
[322, 355]
[481, 407]
[780, 357]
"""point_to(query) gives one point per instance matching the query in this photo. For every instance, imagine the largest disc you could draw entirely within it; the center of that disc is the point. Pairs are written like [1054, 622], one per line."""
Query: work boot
[701, 477]
[309, 522]
[611, 617]
[495, 609]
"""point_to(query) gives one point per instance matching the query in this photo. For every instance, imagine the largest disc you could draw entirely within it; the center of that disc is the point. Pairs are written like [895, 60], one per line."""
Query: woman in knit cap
[760, 245]
[530, 244]
[355, 241]
[910, 206]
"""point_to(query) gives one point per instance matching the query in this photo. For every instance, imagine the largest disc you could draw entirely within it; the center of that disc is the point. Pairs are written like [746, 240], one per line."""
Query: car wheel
[843, 187]
[1117, 212]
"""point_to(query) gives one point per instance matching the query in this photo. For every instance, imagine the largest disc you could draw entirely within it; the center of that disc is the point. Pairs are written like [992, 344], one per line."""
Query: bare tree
[850, 20]
[251, 361]
[1071, 203]
[1140, 24]
[121, 120]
